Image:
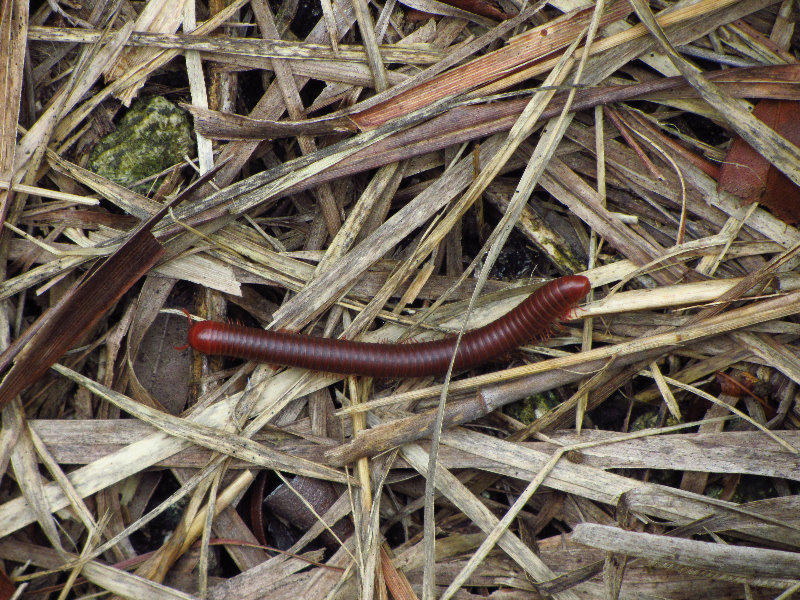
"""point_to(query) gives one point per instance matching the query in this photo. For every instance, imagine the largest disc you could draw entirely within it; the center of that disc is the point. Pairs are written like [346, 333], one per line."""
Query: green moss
[531, 408]
[152, 136]
[649, 419]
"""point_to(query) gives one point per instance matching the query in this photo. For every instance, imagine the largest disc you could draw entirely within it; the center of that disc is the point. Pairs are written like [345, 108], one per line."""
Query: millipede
[530, 320]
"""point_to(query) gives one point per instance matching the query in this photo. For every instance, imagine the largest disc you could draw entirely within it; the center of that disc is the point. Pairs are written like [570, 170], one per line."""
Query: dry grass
[373, 185]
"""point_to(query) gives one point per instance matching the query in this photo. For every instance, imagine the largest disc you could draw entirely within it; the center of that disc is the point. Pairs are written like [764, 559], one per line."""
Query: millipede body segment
[531, 319]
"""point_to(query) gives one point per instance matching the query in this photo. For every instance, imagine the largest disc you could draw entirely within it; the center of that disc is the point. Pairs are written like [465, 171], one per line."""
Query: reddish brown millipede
[531, 319]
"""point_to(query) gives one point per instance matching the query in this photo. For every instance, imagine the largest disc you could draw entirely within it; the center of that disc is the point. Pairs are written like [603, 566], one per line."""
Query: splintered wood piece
[752, 178]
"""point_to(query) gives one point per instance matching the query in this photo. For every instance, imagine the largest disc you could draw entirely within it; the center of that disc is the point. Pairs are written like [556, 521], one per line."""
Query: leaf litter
[362, 172]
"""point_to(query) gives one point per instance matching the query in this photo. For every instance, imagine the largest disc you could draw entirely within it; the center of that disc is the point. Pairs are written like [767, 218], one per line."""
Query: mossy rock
[152, 136]
[532, 408]
[649, 420]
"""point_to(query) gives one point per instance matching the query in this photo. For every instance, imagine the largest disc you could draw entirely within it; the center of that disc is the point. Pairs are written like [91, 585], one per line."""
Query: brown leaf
[485, 8]
[7, 587]
[81, 308]
[751, 177]
[521, 51]
[43, 343]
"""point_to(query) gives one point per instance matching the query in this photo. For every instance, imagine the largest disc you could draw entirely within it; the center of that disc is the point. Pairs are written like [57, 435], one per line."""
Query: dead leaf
[752, 178]
[7, 587]
[485, 8]
[52, 334]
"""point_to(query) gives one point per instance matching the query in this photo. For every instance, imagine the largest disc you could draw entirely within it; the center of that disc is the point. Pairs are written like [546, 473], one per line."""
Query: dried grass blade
[157, 16]
[688, 22]
[86, 73]
[367, 29]
[81, 307]
[76, 312]
[745, 452]
[132, 203]
[197, 87]
[13, 36]
[396, 581]
[541, 155]
[452, 59]
[26, 471]
[666, 393]
[411, 428]
[521, 51]
[772, 353]
[228, 126]
[116, 581]
[277, 49]
[736, 411]
[449, 486]
[775, 148]
[209, 437]
[597, 484]
[742, 561]
[549, 140]
[434, 7]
